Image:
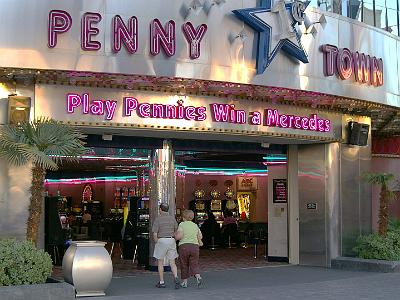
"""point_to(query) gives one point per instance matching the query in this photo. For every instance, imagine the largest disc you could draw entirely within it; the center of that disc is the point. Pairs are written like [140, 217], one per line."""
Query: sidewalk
[271, 282]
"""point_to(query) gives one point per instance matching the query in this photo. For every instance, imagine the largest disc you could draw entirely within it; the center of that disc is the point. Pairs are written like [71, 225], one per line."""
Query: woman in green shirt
[189, 236]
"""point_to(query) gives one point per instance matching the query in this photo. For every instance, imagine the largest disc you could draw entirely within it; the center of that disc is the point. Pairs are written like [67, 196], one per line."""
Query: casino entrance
[231, 187]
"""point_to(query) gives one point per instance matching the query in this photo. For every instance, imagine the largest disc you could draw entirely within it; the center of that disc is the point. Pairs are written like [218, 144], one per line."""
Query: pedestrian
[190, 239]
[163, 230]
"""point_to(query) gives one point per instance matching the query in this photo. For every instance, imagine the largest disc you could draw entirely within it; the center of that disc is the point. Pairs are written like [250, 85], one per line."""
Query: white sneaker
[199, 282]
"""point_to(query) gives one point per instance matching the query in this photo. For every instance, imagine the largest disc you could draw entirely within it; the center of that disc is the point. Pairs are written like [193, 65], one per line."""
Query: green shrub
[374, 246]
[394, 225]
[22, 263]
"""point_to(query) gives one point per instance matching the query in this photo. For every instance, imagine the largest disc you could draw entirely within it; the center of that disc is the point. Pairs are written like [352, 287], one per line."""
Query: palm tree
[41, 143]
[383, 179]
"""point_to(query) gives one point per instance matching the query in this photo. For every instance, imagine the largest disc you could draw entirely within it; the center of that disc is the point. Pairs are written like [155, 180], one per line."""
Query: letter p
[59, 22]
[130, 104]
[73, 101]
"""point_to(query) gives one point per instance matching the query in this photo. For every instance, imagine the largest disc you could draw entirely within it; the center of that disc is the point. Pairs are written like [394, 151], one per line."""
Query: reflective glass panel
[368, 14]
[391, 4]
[392, 21]
[354, 9]
[380, 16]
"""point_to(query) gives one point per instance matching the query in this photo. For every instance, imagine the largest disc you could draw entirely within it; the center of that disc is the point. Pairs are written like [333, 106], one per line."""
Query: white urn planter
[88, 267]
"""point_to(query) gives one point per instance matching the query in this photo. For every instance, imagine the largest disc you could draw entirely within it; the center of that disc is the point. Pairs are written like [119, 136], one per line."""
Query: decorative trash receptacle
[88, 267]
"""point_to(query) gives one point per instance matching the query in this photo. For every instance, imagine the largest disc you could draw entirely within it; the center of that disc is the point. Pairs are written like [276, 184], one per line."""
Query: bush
[22, 263]
[374, 246]
[394, 225]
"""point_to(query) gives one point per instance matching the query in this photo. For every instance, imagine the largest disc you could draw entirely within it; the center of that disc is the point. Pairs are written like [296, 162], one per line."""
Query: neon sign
[363, 67]
[219, 113]
[161, 37]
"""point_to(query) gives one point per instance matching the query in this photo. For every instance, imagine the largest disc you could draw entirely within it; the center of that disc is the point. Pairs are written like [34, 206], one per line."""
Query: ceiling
[385, 119]
[111, 162]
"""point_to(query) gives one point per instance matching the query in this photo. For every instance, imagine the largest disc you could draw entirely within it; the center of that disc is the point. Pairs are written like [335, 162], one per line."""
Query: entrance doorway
[228, 185]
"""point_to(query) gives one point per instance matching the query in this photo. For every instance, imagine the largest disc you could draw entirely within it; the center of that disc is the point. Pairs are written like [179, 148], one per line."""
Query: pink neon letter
[87, 31]
[73, 100]
[329, 59]
[255, 118]
[130, 104]
[144, 110]
[344, 63]
[59, 22]
[220, 112]
[97, 107]
[122, 34]
[272, 117]
[194, 37]
[376, 71]
[201, 113]
[165, 38]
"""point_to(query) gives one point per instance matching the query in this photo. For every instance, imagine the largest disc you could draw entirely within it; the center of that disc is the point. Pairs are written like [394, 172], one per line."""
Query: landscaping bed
[367, 265]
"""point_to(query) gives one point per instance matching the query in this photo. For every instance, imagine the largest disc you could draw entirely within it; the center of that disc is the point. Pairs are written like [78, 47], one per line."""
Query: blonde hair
[188, 214]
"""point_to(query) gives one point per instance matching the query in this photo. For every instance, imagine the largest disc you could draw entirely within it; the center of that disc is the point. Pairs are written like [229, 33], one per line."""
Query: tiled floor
[210, 260]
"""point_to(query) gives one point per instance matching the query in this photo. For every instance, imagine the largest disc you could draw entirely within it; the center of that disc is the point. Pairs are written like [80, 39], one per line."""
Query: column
[162, 185]
[293, 203]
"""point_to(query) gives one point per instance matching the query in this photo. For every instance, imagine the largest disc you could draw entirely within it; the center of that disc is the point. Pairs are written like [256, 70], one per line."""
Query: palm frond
[42, 141]
[378, 178]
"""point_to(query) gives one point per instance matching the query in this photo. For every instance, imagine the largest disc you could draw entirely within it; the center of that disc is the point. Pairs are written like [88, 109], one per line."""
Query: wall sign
[362, 67]
[312, 205]
[245, 183]
[125, 33]
[218, 112]
[128, 109]
[279, 190]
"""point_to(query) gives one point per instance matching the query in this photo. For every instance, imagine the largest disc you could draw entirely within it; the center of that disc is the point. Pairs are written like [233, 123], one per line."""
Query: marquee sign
[218, 112]
[131, 109]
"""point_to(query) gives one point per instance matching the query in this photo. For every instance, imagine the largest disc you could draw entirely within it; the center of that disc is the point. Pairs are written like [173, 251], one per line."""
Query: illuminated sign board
[218, 112]
[362, 67]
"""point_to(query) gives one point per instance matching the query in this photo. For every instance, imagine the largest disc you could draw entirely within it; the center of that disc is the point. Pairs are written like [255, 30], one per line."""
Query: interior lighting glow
[91, 180]
[221, 171]
[274, 157]
[89, 157]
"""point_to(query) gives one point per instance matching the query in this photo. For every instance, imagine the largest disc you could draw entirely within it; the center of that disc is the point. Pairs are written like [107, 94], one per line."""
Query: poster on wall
[279, 190]
[245, 183]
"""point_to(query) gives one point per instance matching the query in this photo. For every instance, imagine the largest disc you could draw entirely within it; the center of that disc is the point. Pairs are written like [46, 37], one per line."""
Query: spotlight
[195, 6]
[208, 4]
[233, 36]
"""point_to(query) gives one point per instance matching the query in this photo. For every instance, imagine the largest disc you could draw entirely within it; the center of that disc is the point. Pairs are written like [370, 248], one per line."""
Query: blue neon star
[251, 16]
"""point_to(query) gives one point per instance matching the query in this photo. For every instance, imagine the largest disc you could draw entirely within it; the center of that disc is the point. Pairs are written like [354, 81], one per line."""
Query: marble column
[162, 185]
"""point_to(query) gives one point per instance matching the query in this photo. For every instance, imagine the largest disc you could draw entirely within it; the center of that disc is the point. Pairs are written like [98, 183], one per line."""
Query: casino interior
[106, 197]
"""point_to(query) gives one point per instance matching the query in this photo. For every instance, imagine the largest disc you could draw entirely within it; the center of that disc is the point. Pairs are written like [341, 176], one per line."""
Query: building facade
[263, 73]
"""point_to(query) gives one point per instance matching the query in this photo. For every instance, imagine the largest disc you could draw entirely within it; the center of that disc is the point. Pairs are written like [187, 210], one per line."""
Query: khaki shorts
[165, 248]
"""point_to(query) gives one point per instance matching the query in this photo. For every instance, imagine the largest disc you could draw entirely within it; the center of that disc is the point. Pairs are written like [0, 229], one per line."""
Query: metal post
[162, 185]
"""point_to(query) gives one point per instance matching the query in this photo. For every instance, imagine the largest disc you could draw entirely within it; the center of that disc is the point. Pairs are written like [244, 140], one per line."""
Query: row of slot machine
[217, 207]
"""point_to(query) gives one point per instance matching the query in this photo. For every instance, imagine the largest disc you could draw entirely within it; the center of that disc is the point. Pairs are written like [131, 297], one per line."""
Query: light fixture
[208, 4]
[308, 23]
[242, 36]
[107, 137]
[195, 6]
[265, 145]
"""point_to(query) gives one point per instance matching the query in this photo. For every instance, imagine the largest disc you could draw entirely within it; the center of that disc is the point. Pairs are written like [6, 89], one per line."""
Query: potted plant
[377, 251]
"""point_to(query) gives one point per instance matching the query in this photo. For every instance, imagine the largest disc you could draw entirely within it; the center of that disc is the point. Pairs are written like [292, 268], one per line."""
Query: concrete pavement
[271, 282]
